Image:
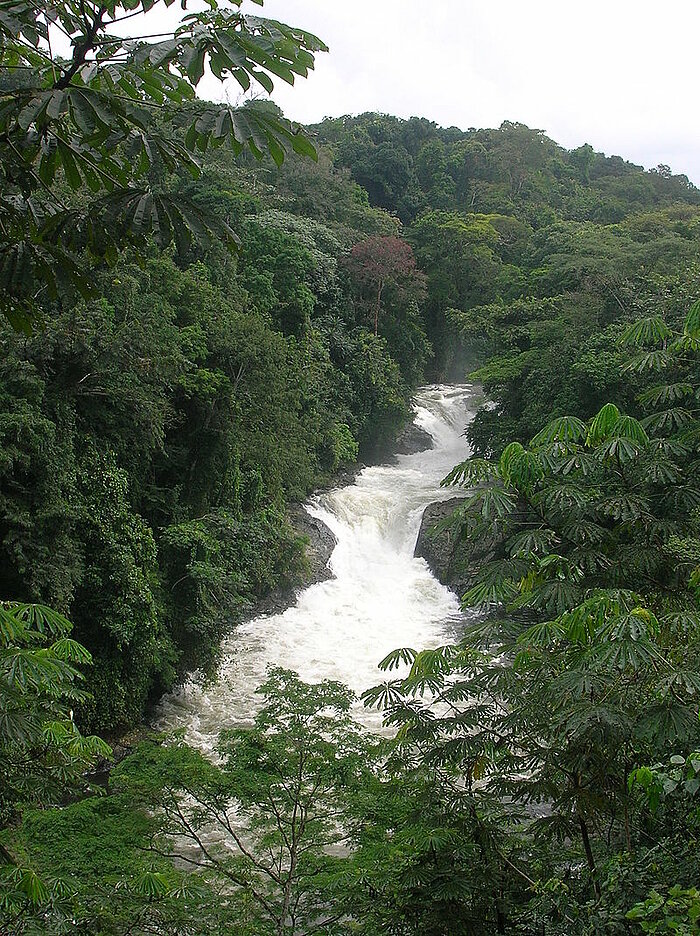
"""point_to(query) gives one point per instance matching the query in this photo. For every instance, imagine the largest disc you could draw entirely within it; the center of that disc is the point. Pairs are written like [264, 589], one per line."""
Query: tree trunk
[500, 915]
[589, 855]
[376, 308]
[6, 856]
[628, 836]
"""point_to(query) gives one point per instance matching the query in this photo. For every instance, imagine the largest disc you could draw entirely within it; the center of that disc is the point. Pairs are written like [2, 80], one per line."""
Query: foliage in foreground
[44, 756]
[565, 702]
[92, 121]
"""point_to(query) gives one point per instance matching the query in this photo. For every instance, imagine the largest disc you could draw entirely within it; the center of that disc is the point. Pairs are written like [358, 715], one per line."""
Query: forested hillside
[182, 361]
[153, 434]
[497, 216]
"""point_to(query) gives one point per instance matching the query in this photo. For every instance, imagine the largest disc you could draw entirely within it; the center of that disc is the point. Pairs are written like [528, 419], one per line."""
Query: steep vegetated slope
[152, 435]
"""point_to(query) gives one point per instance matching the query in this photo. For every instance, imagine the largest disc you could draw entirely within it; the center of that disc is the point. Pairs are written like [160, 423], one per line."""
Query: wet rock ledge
[322, 542]
[444, 555]
[412, 439]
[453, 562]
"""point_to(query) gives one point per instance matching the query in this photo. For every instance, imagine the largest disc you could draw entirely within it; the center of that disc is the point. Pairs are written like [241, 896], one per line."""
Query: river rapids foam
[380, 598]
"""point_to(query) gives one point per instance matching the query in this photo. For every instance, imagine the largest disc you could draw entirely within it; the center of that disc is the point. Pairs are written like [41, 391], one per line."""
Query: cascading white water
[380, 598]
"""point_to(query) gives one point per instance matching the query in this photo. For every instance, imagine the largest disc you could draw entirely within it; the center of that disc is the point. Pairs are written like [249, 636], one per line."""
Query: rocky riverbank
[410, 440]
[439, 548]
[321, 542]
[452, 561]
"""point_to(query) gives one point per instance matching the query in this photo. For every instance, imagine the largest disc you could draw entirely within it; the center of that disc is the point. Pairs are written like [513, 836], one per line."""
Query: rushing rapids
[380, 598]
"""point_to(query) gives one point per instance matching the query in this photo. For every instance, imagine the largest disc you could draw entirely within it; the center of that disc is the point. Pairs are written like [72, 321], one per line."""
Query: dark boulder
[452, 560]
[321, 543]
[408, 441]
[412, 439]
[440, 549]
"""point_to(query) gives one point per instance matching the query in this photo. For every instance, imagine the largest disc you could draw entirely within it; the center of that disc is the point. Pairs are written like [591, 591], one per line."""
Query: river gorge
[380, 596]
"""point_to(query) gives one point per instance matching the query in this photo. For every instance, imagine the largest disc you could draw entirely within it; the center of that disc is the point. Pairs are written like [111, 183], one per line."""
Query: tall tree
[264, 822]
[379, 262]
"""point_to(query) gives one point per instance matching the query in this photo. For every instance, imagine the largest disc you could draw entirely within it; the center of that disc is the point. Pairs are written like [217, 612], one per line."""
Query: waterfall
[380, 598]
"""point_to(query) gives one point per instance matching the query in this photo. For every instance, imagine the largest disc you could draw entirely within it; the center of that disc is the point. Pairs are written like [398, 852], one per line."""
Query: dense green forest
[241, 311]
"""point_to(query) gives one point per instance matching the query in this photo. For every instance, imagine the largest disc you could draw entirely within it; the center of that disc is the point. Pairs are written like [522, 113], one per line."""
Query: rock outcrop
[439, 548]
[452, 561]
[322, 542]
[320, 545]
[412, 439]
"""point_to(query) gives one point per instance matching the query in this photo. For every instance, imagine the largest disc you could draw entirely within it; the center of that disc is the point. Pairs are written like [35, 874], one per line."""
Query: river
[380, 598]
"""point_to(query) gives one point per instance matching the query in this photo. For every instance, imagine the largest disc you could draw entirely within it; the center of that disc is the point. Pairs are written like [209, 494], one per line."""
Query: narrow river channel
[381, 597]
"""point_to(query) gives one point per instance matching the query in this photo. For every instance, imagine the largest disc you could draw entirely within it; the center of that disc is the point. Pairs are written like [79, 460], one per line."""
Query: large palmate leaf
[647, 331]
[561, 429]
[518, 467]
[623, 449]
[602, 424]
[669, 421]
[108, 116]
[691, 326]
[627, 427]
[666, 393]
[649, 361]
[404, 656]
[470, 472]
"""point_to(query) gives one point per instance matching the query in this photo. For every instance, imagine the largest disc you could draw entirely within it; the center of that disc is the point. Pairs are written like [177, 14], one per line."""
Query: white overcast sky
[621, 75]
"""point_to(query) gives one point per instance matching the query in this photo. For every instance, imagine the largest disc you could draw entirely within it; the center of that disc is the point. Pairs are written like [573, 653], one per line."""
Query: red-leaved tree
[379, 262]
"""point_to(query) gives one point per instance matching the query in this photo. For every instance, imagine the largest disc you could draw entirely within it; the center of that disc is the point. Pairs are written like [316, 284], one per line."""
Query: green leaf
[69, 166]
[397, 658]
[646, 331]
[669, 421]
[70, 651]
[691, 326]
[384, 696]
[666, 393]
[470, 472]
[152, 884]
[627, 427]
[623, 449]
[303, 146]
[602, 424]
[561, 429]
[648, 361]
[29, 883]
[519, 467]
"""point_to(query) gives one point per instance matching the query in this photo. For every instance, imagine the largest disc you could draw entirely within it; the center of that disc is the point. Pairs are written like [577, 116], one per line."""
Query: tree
[43, 753]
[378, 262]
[265, 820]
[425, 862]
[110, 119]
[87, 869]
